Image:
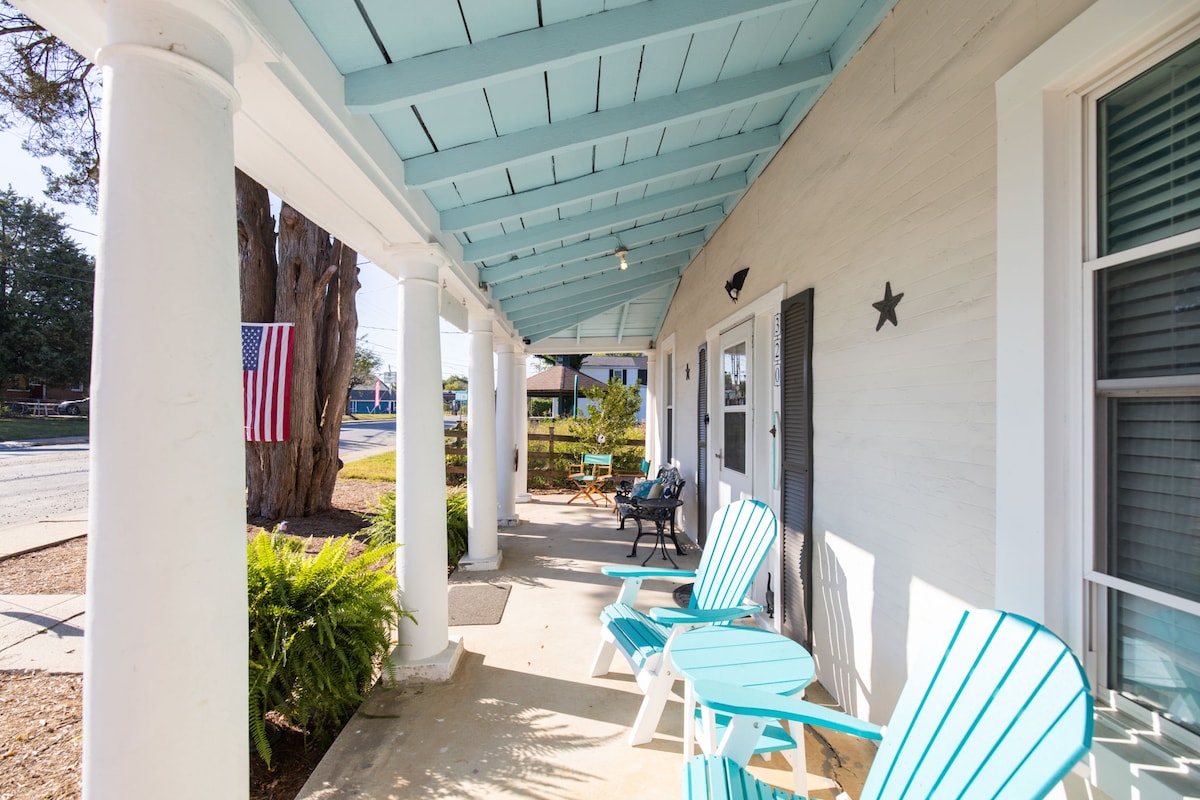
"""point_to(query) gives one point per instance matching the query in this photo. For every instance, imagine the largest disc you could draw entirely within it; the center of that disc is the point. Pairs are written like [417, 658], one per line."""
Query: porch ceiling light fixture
[621, 253]
[734, 285]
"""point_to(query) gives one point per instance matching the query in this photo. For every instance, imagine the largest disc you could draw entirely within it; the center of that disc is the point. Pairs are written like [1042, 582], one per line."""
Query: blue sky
[376, 298]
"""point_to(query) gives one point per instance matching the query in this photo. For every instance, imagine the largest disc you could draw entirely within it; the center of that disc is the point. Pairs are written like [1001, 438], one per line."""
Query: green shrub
[320, 627]
[456, 525]
[540, 407]
[382, 517]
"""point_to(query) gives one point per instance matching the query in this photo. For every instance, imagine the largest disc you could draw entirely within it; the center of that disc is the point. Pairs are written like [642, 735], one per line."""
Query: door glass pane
[734, 364]
[1155, 658]
[670, 434]
[735, 441]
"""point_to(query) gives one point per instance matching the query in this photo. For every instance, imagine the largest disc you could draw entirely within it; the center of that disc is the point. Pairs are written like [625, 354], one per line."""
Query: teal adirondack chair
[742, 533]
[1004, 713]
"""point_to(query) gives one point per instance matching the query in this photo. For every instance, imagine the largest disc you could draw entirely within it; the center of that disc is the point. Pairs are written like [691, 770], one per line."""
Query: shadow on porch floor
[521, 718]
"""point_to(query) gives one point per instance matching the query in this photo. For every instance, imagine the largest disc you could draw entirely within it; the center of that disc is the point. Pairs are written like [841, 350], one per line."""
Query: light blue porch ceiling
[549, 134]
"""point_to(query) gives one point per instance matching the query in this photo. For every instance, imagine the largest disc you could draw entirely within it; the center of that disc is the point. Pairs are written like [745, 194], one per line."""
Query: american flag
[267, 380]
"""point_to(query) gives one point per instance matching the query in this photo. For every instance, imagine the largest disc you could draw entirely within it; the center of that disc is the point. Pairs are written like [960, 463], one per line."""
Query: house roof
[560, 380]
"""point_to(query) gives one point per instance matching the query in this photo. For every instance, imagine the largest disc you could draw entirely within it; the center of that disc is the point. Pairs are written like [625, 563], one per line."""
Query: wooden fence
[557, 447]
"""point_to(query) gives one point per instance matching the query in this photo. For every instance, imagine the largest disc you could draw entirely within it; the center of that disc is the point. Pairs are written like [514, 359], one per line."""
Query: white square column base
[492, 563]
[439, 668]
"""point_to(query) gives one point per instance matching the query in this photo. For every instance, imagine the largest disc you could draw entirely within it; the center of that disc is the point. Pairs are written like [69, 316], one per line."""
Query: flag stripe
[267, 380]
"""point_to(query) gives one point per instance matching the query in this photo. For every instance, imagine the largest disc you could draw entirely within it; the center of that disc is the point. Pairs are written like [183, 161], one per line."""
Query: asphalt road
[41, 482]
[362, 439]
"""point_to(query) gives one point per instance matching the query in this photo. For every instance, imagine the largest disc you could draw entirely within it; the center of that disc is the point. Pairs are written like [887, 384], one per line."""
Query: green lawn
[20, 429]
[372, 468]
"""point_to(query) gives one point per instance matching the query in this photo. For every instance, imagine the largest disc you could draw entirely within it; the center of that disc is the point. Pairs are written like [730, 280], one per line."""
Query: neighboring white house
[626, 369]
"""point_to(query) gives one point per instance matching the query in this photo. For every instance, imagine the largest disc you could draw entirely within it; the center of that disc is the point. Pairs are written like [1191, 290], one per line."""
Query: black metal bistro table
[660, 511]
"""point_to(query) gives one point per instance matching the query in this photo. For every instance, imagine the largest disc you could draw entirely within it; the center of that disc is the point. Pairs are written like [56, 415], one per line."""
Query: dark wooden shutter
[796, 468]
[702, 444]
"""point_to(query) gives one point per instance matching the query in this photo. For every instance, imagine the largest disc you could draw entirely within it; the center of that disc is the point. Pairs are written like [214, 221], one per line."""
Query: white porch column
[521, 393]
[483, 552]
[652, 383]
[166, 595]
[425, 648]
[506, 425]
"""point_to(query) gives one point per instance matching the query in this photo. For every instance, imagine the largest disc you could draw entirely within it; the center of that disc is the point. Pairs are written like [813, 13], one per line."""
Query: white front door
[734, 453]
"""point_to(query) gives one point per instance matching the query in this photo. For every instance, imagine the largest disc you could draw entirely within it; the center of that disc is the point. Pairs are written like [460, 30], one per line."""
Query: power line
[51, 275]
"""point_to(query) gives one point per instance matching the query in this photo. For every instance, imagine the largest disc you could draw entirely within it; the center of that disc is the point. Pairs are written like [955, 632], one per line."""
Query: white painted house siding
[891, 177]
[603, 371]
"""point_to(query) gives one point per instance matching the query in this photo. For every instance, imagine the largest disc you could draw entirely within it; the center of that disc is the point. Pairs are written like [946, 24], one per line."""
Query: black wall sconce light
[733, 286]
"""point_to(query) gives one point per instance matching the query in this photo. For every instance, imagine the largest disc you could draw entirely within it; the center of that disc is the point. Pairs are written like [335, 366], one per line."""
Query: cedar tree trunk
[311, 281]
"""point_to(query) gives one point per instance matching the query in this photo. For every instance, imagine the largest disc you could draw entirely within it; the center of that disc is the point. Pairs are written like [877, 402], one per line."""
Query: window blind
[1154, 493]
[1149, 155]
[1150, 317]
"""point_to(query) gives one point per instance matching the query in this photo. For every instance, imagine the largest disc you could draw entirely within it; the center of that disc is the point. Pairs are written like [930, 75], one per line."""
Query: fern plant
[456, 525]
[382, 517]
[320, 627]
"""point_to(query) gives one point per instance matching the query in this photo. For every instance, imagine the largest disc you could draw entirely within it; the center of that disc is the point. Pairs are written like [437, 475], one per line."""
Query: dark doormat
[477, 603]
[683, 595]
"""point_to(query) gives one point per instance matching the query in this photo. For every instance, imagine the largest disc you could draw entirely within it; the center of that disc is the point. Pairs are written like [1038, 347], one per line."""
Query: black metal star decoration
[887, 306]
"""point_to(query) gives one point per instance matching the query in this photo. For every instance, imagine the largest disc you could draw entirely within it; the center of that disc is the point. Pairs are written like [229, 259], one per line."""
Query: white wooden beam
[447, 72]
[512, 149]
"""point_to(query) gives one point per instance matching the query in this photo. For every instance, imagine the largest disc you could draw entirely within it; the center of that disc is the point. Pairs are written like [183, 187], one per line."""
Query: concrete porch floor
[521, 718]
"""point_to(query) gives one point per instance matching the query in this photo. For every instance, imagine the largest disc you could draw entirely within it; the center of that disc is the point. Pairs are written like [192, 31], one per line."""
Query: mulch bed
[41, 720]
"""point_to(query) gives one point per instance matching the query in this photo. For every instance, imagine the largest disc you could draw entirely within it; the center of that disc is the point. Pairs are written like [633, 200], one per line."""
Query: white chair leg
[604, 656]
[689, 721]
[799, 760]
[653, 705]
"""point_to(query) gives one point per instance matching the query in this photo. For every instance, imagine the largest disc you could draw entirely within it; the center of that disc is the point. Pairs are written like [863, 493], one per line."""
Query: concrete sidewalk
[42, 631]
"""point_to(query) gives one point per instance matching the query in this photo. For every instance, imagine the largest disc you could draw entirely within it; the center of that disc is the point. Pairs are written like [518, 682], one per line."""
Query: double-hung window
[1142, 258]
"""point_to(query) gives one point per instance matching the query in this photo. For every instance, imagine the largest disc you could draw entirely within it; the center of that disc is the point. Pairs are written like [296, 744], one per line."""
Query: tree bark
[304, 278]
[256, 249]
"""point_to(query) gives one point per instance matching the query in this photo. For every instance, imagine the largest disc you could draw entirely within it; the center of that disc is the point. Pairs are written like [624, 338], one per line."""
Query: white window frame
[1044, 440]
[1091, 264]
